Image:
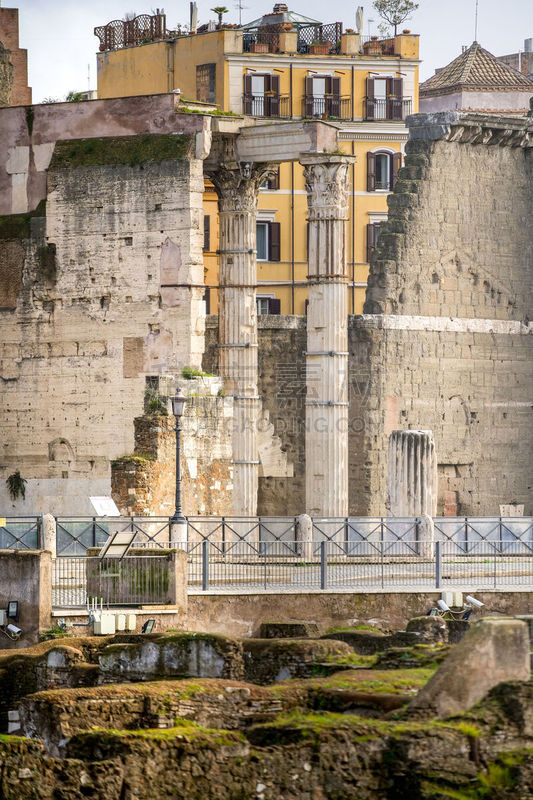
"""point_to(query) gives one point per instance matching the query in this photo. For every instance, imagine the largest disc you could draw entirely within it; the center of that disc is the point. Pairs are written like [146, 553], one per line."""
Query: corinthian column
[326, 439]
[237, 314]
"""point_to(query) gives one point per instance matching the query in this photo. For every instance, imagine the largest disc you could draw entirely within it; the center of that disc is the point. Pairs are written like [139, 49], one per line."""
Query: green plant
[16, 485]
[74, 97]
[191, 372]
[220, 10]
[394, 12]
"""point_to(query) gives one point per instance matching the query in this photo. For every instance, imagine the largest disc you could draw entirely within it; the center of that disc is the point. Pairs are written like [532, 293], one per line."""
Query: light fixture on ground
[178, 407]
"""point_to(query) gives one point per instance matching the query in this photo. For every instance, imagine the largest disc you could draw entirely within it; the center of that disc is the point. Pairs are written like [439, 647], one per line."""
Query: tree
[394, 12]
[74, 97]
[220, 10]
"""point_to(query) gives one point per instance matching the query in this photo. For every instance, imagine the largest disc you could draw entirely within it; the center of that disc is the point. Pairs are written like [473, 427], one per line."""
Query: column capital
[326, 182]
[238, 187]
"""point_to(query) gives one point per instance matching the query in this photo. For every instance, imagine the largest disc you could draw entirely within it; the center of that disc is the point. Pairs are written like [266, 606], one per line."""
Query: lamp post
[178, 406]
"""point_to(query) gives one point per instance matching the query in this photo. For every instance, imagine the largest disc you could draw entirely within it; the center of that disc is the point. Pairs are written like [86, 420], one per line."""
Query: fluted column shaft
[412, 474]
[237, 201]
[326, 441]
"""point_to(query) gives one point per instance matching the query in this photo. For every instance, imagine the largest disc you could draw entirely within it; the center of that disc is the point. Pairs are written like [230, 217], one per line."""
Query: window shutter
[274, 180]
[307, 243]
[370, 98]
[207, 299]
[207, 232]
[274, 248]
[273, 86]
[370, 241]
[370, 172]
[335, 109]
[247, 94]
[396, 163]
[308, 97]
[395, 88]
[274, 305]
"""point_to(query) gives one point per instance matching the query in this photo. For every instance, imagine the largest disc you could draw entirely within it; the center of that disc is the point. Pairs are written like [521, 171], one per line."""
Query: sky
[58, 34]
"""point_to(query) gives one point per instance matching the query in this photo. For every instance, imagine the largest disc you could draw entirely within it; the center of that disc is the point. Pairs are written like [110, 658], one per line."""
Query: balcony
[333, 107]
[267, 105]
[387, 108]
[260, 42]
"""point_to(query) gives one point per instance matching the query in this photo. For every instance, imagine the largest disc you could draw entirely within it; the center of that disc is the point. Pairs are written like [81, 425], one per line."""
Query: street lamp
[178, 406]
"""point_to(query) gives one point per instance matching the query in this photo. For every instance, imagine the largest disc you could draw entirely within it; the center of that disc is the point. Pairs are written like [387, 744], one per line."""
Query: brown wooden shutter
[247, 94]
[369, 98]
[370, 241]
[274, 305]
[395, 92]
[370, 172]
[308, 97]
[335, 106]
[396, 163]
[207, 232]
[274, 241]
[273, 86]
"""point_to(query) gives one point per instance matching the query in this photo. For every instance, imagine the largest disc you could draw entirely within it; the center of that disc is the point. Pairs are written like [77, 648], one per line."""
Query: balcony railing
[260, 42]
[326, 107]
[373, 46]
[328, 35]
[266, 105]
[387, 108]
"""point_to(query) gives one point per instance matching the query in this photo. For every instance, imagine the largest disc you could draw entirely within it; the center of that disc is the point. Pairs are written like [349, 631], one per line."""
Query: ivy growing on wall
[16, 485]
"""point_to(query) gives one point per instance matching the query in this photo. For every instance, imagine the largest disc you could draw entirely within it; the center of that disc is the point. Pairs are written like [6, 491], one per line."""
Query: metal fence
[76, 534]
[130, 581]
[406, 565]
[21, 533]
[328, 34]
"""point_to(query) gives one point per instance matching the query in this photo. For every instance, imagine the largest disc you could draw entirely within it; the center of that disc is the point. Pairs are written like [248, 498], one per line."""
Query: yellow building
[282, 66]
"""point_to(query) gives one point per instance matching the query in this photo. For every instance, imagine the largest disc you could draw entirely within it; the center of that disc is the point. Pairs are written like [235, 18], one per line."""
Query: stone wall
[282, 341]
[6, 76]
[26, 576]
[144, 483]
[446, 336]
[9, 35]
[97, 297]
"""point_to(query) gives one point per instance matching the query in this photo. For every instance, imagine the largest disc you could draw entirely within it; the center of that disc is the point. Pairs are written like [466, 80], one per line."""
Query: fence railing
[266, 105]
[21, 533]
[130, 581]
[76, 534]
[387, 108]
[328, 34]
[338, 107]
[411, 564]
[260, 42]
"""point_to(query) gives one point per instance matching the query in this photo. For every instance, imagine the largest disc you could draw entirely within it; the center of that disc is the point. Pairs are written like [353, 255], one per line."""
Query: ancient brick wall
[96, 301]
[9, 36]
[144, 482]
[446, 335]
[6, 76]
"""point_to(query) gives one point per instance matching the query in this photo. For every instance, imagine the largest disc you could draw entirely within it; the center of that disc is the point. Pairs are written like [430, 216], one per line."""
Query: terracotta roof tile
[476, 70]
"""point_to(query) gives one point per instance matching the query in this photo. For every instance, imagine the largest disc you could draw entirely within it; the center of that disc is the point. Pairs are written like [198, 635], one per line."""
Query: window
[372, 237]
[384, 98]
[206, 83]
[268, 304]
[322, 96]
[382, 170]
[207, 232]
[261, 95]
[268, 241]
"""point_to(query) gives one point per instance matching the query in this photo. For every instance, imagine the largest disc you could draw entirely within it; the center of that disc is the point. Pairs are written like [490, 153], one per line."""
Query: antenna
[241, 8]
[88, 77]
[475, 26]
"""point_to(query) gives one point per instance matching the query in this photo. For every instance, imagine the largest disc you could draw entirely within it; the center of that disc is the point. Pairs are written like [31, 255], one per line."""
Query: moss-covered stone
[18, 226]
[130, 150]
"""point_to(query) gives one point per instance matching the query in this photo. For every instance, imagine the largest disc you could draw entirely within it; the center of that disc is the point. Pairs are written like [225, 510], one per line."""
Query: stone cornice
[468, 128]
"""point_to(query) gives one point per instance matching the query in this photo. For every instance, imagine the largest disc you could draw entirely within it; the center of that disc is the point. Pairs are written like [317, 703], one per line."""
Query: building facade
[282, 67]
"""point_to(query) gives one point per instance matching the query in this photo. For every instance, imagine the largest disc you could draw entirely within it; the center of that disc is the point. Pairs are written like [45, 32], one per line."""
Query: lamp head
[178, 403]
